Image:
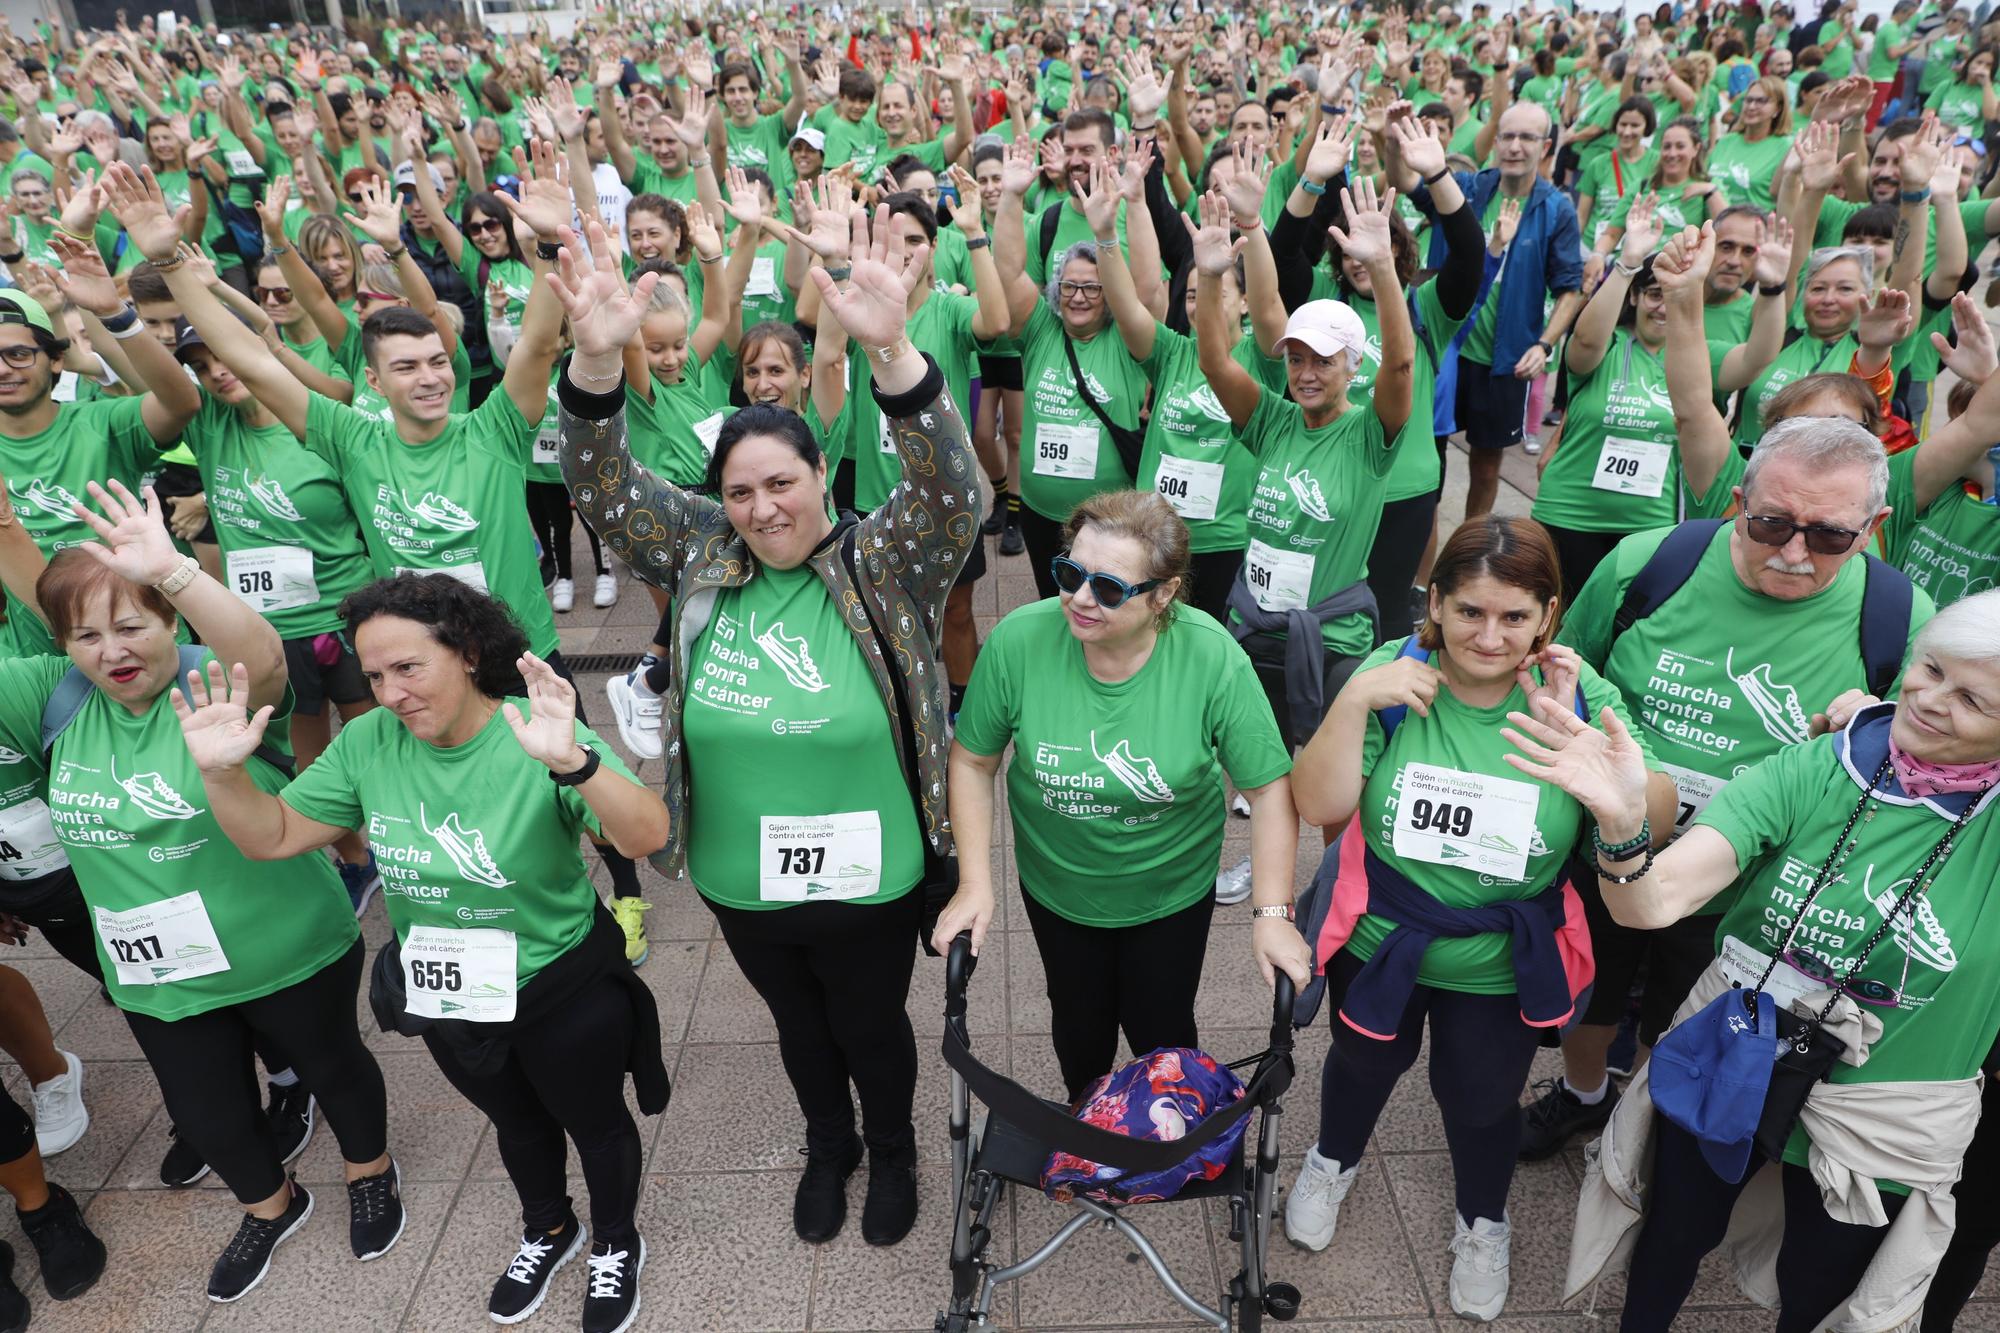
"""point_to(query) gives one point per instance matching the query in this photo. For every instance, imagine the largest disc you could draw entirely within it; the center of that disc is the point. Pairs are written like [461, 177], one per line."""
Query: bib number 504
[426, 974]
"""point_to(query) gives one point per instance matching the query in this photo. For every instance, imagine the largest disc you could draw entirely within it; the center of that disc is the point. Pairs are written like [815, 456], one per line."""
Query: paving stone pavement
[721, 1163]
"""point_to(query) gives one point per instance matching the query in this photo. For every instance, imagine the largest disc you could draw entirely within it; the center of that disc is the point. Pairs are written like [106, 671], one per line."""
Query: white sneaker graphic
[792, 656]
[1137, 772]
[150, 792]
[466, 848]
[1305, 489]
[49, 498]
[441, 511]
[1776, 706]
[272, 496]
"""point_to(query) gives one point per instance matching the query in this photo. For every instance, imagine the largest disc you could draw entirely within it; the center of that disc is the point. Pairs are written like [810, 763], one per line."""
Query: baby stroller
[1021, 1131]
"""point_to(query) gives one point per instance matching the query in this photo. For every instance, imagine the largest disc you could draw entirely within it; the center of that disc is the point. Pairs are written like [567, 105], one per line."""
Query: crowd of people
[314, 351]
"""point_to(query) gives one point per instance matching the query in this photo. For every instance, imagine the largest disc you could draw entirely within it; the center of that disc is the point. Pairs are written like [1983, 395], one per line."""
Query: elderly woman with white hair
[1861, 942]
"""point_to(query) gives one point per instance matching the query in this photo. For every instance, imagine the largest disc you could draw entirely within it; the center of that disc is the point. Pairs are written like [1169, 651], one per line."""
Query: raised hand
[1820, 165]
[1887, 320]
[83, 277]
[1214, 250]
[1019, 169]
[1505, 223]
[609, 72]
[1331, 148]
[874, 310]
[564, 114]
[1774, 252]
[1642, 228]
[705, 235]
[271, 208]
[1366, 239]
[80, 206]
[603, 315]
[545, 203]
[824, 205]
[1099, 197]
[1144, 92]
[1970, 353]
[132, 537]
[1604, 770]
[548, 733]
[381, 213]
[1245, 188]
[692, 128]
[1418, 141]
[1133, 166]
[1682, 265]
[1922, 152]
[135, 200]
[968, 217]
[220, 730]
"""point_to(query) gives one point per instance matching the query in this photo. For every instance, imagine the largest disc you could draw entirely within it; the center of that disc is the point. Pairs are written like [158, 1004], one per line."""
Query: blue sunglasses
[1110, 591]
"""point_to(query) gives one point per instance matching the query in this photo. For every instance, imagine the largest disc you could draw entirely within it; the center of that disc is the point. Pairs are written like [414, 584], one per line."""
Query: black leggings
[836, 977]
[1579, 553]
[1958, 1273]
[1480, 1053]
[550, 517]
[624, 870]
[17, 1130]
[1102, 979]
[1819, 1259]
[1213, 572]
[1044, 540]
[565, 1075]
[1393, 560]
[203, 1064]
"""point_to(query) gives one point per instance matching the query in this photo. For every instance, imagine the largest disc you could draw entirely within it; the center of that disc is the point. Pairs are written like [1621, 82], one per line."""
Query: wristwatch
[1548, 348]
[1284, 911]
[591, 760]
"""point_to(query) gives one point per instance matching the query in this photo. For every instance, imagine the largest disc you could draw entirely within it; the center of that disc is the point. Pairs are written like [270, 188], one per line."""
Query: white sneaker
[1531, 446]
[1313, 1207]
[638, 714]
[1239, 806]
[1479, 1272]
[607, 590]
[60, 1115]
[562, 594]
[1233, 884]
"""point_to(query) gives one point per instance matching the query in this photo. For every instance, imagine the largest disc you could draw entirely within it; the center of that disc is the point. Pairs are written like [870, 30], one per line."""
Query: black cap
[186, 339]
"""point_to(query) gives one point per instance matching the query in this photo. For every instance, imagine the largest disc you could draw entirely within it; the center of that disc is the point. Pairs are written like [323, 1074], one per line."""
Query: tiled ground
[722, 1162]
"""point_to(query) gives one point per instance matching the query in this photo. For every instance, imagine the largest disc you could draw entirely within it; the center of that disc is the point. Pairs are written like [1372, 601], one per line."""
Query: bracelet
[122, 320]
[887, 354]
[274, 249]
[846, 271]
[547, 251]
[1640, 873]
[397, 253]
[1625, 270]
[1284, 911]
[1442, 173]
[978, 242]
[701, 161]
[1331, 108]
[132, 330]
[14, 258]
[1916, 196]
[1772, 289]
[1626, 850]
[702, 258]
[591, 761]
[183, 575]
[7, 515]
[1141, 129]
[1311, 186]
[166, 266]
[72, 235]
[576, 374]
[1548, 348]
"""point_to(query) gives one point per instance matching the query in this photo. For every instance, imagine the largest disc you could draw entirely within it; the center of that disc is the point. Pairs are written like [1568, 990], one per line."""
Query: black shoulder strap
[1663, 575]
[75, 689]
[1129, 443]
[1887, 599]
[1051, 221]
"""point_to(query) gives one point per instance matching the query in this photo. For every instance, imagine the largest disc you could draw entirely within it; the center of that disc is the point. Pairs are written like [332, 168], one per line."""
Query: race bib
[1451, 818]
[763, 277]
[240, 163]
[28, 846]
[548, 449]
[1069, 452]
[273, 578]
[708, 431]
[463, 974]
[1743, 963]
[1632, 467]
[471, 573]
[807, 858]
[1280, 580]
[161, 943]
[1692, 793]
[65, 390]
[1193, 488]
[888, 437]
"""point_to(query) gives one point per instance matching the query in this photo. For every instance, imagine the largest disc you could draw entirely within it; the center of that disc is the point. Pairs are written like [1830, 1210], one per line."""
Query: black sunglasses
[480, 226]
[1769, 530]
[1110, 591]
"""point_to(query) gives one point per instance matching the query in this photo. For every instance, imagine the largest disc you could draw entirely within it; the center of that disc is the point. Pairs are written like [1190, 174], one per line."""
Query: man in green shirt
[1754, 652]
[1893, 41]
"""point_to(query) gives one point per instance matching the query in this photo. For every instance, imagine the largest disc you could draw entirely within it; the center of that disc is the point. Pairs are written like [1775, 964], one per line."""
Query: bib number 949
[1441, 817]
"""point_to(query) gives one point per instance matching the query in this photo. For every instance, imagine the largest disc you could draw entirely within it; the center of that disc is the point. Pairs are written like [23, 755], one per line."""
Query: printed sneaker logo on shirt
[150, 792]
[50, 498]
[791, 655]
[1097, 389]
[1203, 399]
[272, 496]
[1924, 940]
[9, 755]
[1776, 706]
[1137, 772]
[1305, 489]
[466, 848]
[441, 511]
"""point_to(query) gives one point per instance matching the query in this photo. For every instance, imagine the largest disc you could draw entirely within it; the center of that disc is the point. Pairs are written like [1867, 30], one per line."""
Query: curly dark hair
[459, 616]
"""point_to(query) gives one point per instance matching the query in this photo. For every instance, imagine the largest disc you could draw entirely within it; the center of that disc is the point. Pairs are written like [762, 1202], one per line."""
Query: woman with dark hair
[803, 666]
[1445, 850]
[531, 1011]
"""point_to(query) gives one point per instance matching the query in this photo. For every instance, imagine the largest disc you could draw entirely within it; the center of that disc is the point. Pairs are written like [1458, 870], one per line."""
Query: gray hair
[87, 121]
[1833, 254]
[1824, 444]
[1968, 629]
[1052, 290]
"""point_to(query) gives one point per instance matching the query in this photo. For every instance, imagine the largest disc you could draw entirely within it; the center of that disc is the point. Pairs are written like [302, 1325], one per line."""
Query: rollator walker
[1021, 1130]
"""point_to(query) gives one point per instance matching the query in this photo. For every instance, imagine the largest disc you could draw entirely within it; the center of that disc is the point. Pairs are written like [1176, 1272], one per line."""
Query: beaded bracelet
[1626, 850]
[1640, 873]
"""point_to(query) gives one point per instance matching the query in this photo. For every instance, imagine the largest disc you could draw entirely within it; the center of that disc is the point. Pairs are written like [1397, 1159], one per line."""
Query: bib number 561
[427, 974]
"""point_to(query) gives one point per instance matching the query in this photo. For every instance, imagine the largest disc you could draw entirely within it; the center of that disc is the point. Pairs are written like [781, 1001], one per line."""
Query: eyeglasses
[1863, 990]
[1770, 530]
[279, 294]
[1110, 591]
[20, 357]
[483, 226]
[378, 298]
[356, 197]
[1092, 290]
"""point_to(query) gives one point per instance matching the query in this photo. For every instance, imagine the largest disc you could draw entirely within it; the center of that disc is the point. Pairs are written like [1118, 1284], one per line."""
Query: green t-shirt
[1839, 49]
[861, 143]
[760, 144]
[1478, 345]
[1618, 468]
[673, 435]
[452, 506]
[1417, 469]
[1711, 720]
[1882, 66]
[1073, 227]
[471, 837]
[1467, 740]
[1611, 183]
[1675, 207]
[98, 440]
[766, 296]
[1116, 789]
[778, 697]
[1783, 818]
[1729, 323]
[1597, 108]
[942, 326]
[1191, 454]
[129, 808]
[1950, 550]
[648, 178]
[514, 277]
[1314, 510]
[1960, 105]
[1744, 171]
[291, 548]
[1066, 454]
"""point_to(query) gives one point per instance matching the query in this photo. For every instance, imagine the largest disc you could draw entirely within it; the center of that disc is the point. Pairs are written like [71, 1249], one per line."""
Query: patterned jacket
[908, 555]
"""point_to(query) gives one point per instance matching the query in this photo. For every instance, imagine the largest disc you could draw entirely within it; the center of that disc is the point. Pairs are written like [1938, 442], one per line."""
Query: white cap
[406, 174]
[1327, 327]
[812, 138]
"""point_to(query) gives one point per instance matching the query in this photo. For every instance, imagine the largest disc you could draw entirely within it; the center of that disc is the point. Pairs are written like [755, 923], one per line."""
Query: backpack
[1050, 223]
[75, 688]
[1886, 599]
[1315, 901]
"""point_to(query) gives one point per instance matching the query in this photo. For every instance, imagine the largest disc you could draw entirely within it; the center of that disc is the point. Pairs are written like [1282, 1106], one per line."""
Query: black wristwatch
[591, 760]
[1548, 348]
[1772, 289]
[547, 251]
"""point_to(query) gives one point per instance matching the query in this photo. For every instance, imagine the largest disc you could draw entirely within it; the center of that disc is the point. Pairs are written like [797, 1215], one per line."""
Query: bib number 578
[254, 580]
[428, 974]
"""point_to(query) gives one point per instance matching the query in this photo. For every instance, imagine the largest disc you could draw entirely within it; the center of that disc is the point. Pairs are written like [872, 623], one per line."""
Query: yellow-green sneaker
[630, 914]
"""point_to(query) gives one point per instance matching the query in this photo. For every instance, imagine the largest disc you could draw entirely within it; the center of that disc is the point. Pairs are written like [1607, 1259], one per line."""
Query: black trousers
[1958, 1273]
[1579, 554]
[1213, 573]
[836, 977]
[1044, 540]
[552, 520]
[203, 1064]
[1392, 562]
[1103, 979]
[1819, 1260]
[564, 1078]
[1480, 1054]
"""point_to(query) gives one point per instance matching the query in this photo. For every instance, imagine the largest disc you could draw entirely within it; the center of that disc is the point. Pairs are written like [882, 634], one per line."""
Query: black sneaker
[612, 1302]
[248, 1257]
[996, 519]
[72, 1256]
[1555, 1117]
[14, 1307]
[375, 1214]
[890, 1208]
[520, 1289]
[1011, 541]
[819, 1209]
[183, 1165]
[293, 1114]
